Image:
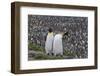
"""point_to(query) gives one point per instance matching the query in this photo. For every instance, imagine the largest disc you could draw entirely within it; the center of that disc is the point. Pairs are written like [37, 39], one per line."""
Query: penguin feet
[52, 54]
[48, 53]
[61, 55]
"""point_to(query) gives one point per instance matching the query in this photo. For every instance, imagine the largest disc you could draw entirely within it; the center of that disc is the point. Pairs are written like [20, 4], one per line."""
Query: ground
[38, 53]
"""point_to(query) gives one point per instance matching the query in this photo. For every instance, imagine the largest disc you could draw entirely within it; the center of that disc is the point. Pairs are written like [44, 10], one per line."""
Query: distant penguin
[57, 44]
[49, 42]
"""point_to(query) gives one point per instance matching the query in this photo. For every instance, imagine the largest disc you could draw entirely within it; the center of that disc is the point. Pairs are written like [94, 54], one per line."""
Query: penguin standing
[57, 44]
[49, 42]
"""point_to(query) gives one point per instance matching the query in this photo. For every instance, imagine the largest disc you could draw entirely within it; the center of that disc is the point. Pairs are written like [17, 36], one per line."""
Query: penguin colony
[76, 43]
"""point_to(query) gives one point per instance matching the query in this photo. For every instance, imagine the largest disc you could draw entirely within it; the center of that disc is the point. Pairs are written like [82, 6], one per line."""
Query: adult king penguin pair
[53, 44]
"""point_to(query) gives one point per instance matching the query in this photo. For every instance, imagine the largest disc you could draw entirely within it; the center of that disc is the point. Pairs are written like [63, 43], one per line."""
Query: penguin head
[65, 34]
[50, 30]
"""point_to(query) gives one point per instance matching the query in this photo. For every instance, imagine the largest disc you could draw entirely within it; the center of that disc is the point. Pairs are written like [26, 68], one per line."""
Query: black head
[50, 30]
[66, 33]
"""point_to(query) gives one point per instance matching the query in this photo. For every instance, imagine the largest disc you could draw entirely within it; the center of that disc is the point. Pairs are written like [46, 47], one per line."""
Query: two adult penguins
[53, 44]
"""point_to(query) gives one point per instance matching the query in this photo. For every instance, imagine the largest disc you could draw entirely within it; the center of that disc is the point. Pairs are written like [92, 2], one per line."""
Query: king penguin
[49, 42]
[57, 44]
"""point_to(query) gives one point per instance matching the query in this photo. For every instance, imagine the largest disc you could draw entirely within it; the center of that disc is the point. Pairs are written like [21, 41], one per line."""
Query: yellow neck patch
[49, 34]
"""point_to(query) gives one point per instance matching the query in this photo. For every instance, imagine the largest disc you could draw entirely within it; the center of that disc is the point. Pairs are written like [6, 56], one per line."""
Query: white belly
[57, 45]
[49, 43]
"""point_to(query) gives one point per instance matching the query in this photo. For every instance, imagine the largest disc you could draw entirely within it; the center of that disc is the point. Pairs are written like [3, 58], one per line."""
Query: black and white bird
[57, 44]
[49, 42]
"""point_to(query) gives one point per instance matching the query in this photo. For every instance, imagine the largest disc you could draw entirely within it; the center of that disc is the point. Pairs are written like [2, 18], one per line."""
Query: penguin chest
[57, 45]
[49, 42]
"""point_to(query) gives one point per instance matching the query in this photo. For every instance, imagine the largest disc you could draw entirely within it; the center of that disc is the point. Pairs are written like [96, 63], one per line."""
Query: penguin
[57, 44]
[49, 42]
